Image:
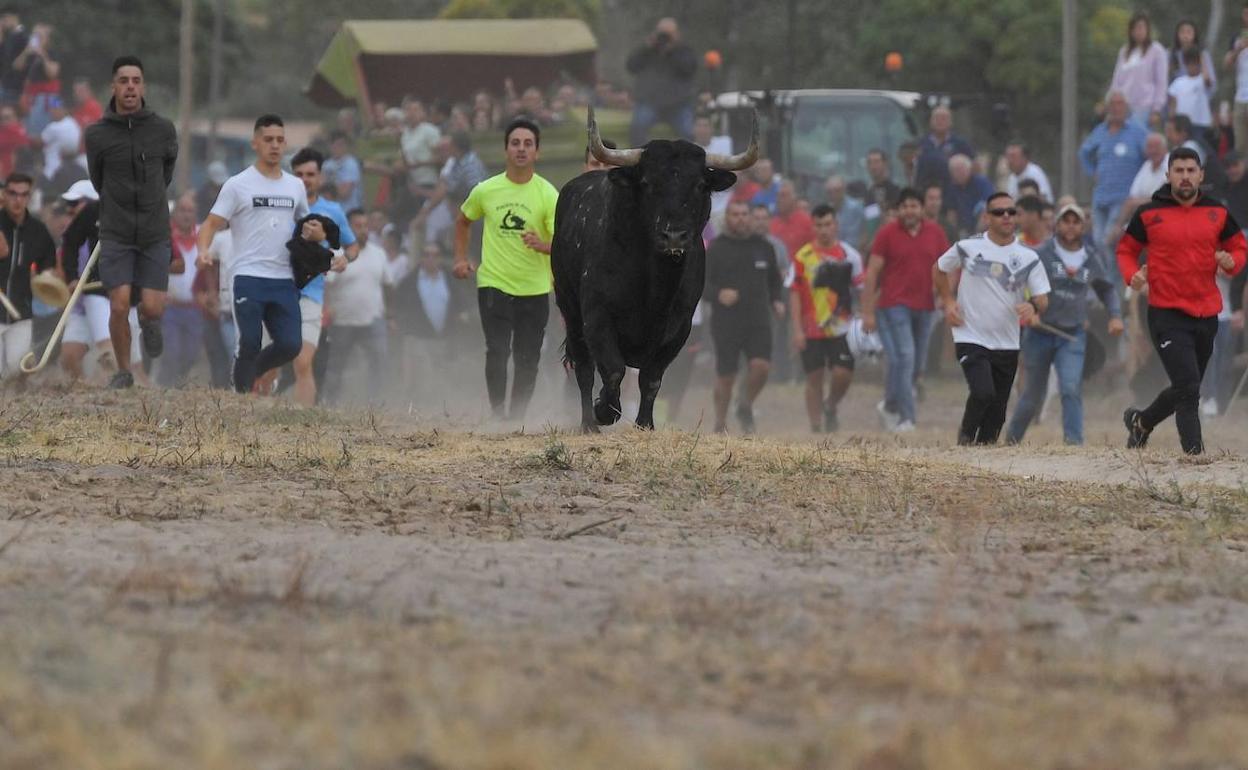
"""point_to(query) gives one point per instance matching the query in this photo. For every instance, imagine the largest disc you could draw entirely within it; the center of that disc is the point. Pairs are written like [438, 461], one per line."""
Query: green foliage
[587, 10]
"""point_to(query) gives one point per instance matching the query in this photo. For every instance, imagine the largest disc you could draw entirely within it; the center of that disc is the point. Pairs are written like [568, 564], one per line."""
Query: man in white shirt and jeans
[357, 309]
[998, 273]
[261, 205]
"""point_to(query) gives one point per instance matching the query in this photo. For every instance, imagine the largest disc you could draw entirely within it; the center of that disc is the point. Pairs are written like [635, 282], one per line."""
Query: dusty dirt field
[194, 580]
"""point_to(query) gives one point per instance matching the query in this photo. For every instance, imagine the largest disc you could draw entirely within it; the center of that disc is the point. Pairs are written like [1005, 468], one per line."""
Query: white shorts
[14, 344]
[310, 324]
[88, 324]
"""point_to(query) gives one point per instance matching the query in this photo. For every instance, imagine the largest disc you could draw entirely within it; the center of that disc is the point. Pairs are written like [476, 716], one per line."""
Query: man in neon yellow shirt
[513, 279]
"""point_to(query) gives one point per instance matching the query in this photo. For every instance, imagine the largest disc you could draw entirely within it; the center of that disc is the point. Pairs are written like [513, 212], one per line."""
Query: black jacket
[663, 78]
[130, 159]
[308, 259]
[29, 244]
[748, 265]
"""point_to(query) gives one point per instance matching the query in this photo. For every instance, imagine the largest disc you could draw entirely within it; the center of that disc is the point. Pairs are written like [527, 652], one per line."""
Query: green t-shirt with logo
[509, 210]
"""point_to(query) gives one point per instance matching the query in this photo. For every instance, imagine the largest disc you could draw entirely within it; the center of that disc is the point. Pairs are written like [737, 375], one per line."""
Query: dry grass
[189, 580]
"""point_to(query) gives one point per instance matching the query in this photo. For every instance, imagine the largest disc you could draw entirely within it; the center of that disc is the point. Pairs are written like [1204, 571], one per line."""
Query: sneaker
[888, 420]
[905, 426]
[830, 423]
[745, 416]
[153, 338]
[121, 380]
[1209, 407]
[1137, 435]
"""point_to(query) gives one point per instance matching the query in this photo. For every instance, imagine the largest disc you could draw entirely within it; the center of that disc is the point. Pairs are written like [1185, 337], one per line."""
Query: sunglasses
[1003, 212]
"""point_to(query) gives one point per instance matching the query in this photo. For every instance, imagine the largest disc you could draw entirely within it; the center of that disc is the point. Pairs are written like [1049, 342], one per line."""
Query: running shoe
[745, 416]
[122, 380]
[888, 420]
[830, 422]
[1137, 434]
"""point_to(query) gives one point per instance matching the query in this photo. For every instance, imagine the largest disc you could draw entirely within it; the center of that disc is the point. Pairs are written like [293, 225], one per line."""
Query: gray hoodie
[130, 159]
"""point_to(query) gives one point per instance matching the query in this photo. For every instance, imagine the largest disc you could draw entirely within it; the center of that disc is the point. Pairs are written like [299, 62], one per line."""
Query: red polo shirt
[795, 230]
[907, 275]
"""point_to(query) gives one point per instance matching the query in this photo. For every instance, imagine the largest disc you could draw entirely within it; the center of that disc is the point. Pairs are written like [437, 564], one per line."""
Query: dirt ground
[196, 580]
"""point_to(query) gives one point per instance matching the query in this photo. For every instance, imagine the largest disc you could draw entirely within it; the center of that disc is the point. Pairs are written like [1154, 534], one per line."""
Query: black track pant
[1184, 344]
[513, 326]
[990, 375]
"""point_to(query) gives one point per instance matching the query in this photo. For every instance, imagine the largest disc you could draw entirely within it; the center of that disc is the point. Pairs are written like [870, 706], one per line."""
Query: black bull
[629, 264]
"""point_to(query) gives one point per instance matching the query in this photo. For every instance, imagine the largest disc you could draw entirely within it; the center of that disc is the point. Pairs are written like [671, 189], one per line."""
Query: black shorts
[734, 340]
[827, 352]
[146, 267]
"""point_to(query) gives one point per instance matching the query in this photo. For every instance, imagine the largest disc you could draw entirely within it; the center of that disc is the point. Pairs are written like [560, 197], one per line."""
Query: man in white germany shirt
[998, 274]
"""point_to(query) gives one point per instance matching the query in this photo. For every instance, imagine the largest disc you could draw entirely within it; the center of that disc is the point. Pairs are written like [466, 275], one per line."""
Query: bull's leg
[648, 380]
[606, 354]
[583, 367]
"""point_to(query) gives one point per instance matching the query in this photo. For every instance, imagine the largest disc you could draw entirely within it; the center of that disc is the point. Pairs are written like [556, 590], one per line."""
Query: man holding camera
[663, 68]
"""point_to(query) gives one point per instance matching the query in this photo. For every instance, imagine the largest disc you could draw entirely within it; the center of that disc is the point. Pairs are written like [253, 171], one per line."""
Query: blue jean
[264, 303]
[904, 334]
[1215, 383]
[1104, 215]
[1041, 350]
[679, 116]
[183, 326]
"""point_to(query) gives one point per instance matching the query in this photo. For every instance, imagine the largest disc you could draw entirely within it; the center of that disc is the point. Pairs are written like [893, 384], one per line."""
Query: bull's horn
[741, 160]
[604, 155]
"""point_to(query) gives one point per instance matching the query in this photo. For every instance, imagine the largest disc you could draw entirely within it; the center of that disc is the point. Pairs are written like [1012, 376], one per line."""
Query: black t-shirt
[747, 265]
[883, 194]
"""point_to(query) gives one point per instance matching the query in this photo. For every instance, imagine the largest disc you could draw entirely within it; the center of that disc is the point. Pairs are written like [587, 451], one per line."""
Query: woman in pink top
[1141, 72]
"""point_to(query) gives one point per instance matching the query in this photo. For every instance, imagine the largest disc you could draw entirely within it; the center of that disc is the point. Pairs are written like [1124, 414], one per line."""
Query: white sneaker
[1209, 407]
[888, 420]
[905, 426]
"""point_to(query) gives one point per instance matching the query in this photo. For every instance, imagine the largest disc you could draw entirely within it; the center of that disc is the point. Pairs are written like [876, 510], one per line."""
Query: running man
[744, 289]
[131, 152]
[827, 272]
[997, 275]
[307, 165]
[260, 205]
[1191, 240]
[1073, 264]
[514, 279]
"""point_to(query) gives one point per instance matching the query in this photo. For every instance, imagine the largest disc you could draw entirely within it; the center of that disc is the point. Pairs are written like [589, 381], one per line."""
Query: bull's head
[673, 182]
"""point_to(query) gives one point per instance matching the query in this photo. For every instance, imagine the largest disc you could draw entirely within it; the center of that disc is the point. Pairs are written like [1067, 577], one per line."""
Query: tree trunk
[186, 64]
[1213, 30]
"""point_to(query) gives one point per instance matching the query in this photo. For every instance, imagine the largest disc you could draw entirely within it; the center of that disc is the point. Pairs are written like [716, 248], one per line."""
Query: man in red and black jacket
[1190, 239]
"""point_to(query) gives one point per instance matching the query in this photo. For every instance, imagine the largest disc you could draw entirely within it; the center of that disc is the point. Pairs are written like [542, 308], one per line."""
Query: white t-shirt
[1149, 179]
[418, 145]
[181, 284]
[354, 296]
[994, 280]
[397, 268]
[222, 252]
[1072, 260]
[57, 137]
[262, 213]
[1191, 98]
[435, 298]
[1035, 174]
[1241, 76]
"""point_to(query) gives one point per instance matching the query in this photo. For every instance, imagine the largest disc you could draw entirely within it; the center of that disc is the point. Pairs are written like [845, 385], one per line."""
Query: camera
[661, 39]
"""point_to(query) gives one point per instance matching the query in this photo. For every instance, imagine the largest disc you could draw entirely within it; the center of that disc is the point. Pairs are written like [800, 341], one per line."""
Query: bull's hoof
[645, 425]
[605, 413]
[589, 427]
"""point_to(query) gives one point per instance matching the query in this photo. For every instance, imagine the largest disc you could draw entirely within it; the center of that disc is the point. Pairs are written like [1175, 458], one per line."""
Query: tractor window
[831, 135]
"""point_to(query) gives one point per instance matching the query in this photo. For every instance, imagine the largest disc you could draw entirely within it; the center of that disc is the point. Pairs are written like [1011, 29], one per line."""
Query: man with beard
[1191, 240]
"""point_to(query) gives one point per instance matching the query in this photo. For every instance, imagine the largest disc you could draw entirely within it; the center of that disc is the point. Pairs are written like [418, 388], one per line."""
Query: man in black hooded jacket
[131, 152]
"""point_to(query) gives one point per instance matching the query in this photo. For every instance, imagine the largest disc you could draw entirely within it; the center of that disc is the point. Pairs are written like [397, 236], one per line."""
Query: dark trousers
[990, 375]
[370, 339]
[264, 303]
[514, 328]
[1184, 344]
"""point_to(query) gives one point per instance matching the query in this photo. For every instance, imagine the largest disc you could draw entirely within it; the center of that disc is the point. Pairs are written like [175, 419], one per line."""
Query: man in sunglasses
[1191, 240]
[1003, 284]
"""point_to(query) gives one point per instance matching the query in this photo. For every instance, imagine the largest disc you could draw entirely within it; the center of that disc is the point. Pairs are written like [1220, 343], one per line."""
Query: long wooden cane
[28, 364]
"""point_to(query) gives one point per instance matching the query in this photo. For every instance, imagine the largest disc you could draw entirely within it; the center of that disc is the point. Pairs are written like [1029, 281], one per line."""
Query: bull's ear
[625, 176]
[719, 180]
